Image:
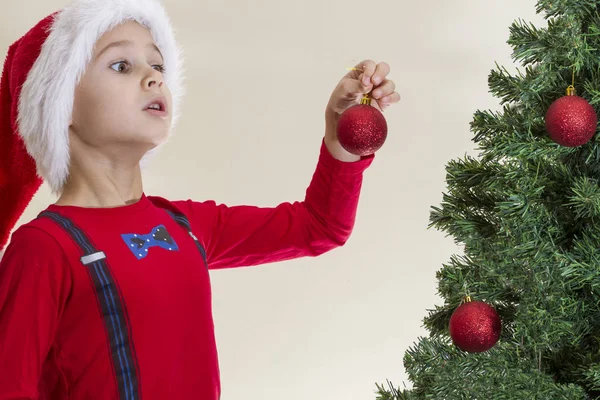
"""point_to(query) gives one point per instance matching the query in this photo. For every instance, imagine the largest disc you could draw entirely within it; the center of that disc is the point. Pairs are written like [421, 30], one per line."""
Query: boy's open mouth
[157, 106]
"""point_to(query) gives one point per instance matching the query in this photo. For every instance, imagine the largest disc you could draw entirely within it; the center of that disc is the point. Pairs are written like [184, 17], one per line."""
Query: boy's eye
[120, 66]
[123, 66]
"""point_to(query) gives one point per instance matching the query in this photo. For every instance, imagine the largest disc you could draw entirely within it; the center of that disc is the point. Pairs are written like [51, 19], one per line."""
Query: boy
[106, 295]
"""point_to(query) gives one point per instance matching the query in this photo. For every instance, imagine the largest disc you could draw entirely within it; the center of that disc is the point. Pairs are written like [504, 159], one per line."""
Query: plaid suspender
[185, 224]
[113, 309]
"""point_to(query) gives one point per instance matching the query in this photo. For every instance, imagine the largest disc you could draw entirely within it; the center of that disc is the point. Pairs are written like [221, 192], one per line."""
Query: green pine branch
[554, 8]
[526, 212]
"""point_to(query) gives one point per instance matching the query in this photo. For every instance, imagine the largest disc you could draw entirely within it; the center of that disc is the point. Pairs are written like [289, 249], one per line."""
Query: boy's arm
[35, 281]
[248, 235]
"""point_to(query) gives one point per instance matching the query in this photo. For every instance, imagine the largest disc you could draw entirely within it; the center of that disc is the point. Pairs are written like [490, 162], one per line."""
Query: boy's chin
[139, 144]
[151, 139]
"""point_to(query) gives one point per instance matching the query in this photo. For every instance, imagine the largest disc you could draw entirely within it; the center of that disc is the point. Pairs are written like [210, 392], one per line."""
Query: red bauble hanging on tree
[362, 129]
[475, 326]
[570, 120]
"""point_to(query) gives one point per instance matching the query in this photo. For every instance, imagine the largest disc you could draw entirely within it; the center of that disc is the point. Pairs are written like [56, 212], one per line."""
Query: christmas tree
[526, 213]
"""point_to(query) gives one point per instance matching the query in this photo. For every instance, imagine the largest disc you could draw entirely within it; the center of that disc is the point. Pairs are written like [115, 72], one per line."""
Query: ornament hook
[365, 99]
[571, 89]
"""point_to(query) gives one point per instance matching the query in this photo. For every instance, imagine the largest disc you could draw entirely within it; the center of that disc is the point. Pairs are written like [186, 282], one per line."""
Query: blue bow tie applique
[139, 244]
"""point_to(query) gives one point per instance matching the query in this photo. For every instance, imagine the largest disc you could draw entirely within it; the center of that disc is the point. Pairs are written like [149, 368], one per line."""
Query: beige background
[259, 76]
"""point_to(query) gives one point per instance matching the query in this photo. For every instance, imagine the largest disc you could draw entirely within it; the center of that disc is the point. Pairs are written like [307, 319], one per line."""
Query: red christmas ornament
[475, 326]
[570, 120]
[362, 129]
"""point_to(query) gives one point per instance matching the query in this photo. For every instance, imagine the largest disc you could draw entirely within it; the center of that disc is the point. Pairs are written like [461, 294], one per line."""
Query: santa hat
[37, 88]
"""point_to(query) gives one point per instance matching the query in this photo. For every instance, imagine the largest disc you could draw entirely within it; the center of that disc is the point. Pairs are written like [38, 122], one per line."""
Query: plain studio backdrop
[259, 75]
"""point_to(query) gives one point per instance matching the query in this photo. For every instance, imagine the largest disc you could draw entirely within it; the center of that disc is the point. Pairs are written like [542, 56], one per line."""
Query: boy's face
[123, 76]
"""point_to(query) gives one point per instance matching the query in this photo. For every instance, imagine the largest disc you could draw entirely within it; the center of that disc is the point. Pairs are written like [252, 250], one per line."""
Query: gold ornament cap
[365, 99]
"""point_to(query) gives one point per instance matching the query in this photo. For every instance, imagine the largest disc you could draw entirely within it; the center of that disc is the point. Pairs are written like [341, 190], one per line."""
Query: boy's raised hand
[365, 77]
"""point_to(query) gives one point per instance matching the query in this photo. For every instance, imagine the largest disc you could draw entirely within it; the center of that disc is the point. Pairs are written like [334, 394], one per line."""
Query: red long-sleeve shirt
[67, 332]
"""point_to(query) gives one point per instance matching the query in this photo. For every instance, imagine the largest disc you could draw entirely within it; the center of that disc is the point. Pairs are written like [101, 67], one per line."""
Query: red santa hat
[37, 88]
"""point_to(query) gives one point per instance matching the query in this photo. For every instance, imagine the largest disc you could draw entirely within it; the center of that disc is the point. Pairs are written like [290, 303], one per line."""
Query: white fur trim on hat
[46, 102]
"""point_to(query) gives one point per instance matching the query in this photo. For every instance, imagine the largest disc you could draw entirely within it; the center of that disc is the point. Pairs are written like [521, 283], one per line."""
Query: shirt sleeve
[35, 281]
[246, 235]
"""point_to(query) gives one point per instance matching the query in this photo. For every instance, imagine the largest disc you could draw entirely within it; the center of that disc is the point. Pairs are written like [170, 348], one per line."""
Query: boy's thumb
[356, 86]
[364, 88]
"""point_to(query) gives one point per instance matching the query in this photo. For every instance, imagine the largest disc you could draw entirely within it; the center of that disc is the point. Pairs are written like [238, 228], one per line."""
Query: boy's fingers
[381, 71]
[368, 67]
[387, 87]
